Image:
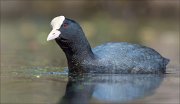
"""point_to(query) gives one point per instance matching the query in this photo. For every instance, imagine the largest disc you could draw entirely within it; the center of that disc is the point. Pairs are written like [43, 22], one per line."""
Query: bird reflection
[111, 88]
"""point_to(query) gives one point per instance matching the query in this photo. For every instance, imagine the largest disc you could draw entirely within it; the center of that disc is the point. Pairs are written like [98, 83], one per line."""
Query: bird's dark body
[115, 58]
[125, 58]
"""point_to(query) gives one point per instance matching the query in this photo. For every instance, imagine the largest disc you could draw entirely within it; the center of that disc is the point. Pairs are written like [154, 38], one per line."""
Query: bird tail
[165, 62]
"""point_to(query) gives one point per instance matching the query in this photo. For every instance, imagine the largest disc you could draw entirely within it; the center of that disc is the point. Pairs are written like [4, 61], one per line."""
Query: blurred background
[26, 24]
[25, 53]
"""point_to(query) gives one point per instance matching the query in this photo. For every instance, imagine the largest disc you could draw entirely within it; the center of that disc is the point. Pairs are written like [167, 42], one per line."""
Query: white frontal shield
[56, 24]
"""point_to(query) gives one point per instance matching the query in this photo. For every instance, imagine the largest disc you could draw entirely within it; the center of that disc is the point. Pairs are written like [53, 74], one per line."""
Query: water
[52, 85]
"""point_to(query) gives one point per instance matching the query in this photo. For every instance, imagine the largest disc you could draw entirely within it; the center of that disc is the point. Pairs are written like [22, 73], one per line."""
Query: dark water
[109, 88]
[47, 85]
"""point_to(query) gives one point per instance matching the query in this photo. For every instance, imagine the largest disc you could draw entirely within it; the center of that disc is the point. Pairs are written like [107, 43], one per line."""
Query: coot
[109, 58]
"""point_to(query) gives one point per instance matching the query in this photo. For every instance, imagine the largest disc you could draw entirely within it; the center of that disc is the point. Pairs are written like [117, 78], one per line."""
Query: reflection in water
[110, 88]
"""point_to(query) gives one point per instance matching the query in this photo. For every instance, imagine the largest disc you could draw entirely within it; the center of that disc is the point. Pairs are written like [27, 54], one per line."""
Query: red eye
[65, 25]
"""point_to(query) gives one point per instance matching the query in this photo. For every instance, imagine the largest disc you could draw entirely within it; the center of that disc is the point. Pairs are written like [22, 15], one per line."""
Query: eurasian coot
[108, 58]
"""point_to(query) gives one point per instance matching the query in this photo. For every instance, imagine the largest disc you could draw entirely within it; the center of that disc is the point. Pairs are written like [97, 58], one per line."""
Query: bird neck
[76, 52]
[79, 52]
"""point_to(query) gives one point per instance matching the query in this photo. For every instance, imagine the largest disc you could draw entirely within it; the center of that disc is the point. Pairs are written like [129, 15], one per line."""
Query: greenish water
[48, 85]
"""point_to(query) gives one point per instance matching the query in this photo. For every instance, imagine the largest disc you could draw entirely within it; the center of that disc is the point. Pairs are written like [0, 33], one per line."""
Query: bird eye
[65, 25]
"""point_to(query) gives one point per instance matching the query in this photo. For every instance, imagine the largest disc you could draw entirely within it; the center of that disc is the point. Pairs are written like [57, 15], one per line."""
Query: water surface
[52, 85]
